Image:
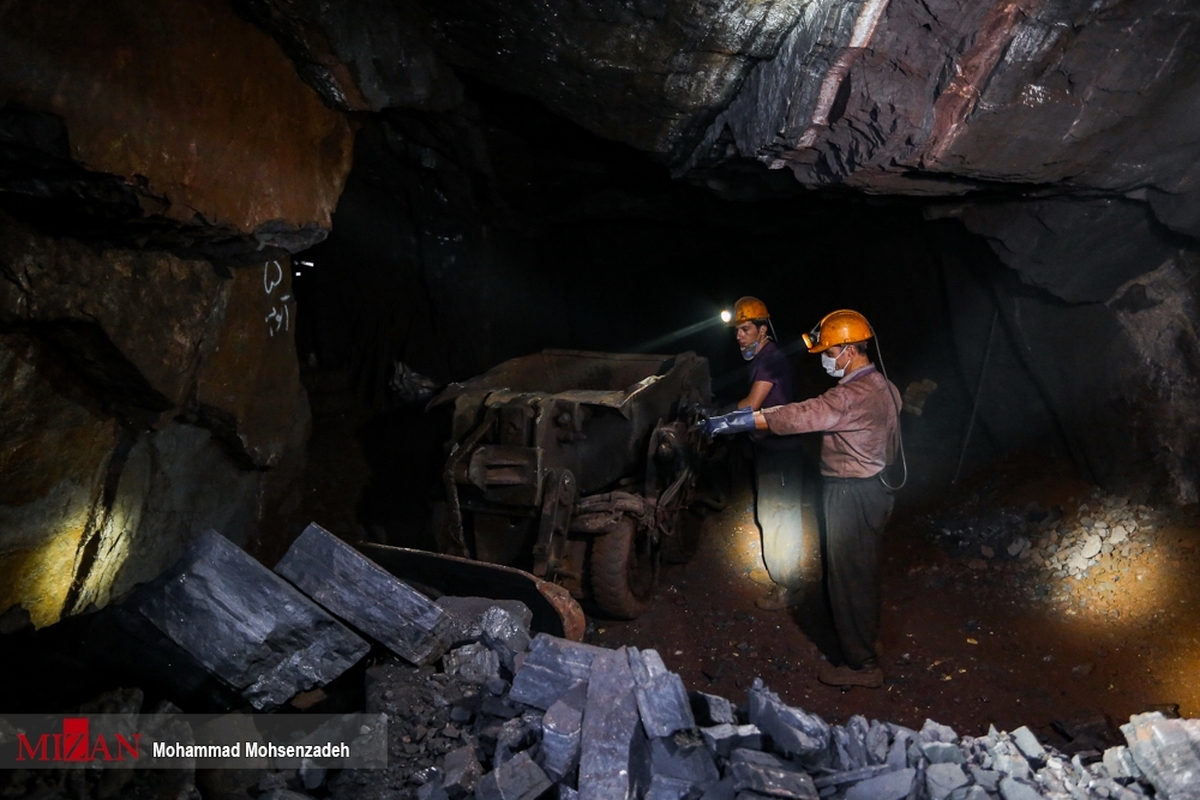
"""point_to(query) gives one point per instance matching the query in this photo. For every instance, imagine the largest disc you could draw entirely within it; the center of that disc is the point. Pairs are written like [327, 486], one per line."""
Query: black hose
[899, 430]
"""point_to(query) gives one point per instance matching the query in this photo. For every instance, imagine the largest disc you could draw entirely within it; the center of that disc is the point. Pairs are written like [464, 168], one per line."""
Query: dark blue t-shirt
[771, 365]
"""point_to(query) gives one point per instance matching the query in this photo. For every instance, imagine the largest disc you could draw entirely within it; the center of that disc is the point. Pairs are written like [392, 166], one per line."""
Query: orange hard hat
[837, 327]
[749, 309]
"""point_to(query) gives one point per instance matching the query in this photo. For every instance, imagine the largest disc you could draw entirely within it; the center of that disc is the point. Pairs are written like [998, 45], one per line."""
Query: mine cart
[577, 466]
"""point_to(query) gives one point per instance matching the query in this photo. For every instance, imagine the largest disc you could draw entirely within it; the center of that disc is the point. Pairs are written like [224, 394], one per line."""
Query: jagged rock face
[1159, 313]
[1112, 378]
[942, 97]
[198, 115]
[144, 394]
[1075, 367]
[148, 394]
[936, 98]
[650, 73]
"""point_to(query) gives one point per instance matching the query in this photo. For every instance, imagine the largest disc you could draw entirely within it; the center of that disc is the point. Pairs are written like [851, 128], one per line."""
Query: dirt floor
[969, 640]
[988, 616]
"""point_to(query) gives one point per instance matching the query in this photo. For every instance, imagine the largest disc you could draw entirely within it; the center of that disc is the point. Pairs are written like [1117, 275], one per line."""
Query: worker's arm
[831, 411]
[757, 396]
[742, 420]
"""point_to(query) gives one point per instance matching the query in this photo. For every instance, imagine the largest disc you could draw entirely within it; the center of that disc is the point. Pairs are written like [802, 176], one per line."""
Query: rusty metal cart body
[577, 466]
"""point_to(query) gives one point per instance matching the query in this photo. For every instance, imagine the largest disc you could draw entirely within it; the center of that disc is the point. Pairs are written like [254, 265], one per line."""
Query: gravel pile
[1082, 557]
[1105, 541]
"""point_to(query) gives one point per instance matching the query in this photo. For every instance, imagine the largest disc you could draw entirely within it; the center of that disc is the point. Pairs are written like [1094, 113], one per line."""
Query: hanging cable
[987, 354]
[899, 407]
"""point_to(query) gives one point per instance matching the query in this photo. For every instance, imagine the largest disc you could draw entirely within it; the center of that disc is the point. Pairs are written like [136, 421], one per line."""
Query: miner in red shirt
[859, 418]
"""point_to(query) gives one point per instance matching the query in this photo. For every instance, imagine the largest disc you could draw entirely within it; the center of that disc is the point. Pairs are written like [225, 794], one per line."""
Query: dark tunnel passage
[456, 247]
[269, 264]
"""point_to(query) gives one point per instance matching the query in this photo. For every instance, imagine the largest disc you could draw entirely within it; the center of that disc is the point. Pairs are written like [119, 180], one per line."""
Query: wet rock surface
[168, 394]
[648, 74]
[900, 97]
[355, 589]
[1077, 563]
[227, 142]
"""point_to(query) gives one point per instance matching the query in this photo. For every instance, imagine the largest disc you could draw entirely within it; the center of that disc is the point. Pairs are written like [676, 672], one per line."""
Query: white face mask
[830, 365]
[749, 352]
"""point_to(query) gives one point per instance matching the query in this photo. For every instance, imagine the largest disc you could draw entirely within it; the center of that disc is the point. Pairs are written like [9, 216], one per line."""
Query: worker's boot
[869, 675]
[779, 598]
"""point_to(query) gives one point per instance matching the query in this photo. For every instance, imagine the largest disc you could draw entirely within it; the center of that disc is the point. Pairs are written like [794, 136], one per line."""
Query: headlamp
[726, 316]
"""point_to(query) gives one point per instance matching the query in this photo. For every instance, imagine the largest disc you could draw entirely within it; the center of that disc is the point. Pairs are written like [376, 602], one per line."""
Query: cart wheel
[624, 570]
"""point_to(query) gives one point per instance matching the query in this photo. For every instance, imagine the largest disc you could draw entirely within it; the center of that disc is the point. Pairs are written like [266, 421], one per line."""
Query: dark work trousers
[856, 512]
[777, 483]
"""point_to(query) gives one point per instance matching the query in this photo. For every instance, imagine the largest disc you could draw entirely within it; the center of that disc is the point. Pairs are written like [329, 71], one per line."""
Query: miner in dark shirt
[777, 463]
[860, 426]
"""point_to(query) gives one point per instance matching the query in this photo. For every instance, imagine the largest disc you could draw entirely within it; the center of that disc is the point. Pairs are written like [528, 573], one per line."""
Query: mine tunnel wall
[455, 286]
[155, 196]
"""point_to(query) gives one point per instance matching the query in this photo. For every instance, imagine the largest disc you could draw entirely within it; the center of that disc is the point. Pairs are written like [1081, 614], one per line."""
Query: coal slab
[792, 731]
[516, 779]
[1167, 751]
[755, 771]
[514, 736]
[467, 614]
[694, 765]
[942, 779]
[723, 739]
[897, 757]
[462, 772]
[561, 727]
[662, 788]
[612, 742]
[473, 663]
[711, 709]
[661, 698]
[722, 790]
[942, 753]
[851, 777]
[357, 590]
[877, 743]
[506, 633]
[1013, 789]
[552, 667]
[247, 625]
[889, 786]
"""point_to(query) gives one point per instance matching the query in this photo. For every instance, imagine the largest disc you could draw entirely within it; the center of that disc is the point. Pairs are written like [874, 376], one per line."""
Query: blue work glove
[739, 421]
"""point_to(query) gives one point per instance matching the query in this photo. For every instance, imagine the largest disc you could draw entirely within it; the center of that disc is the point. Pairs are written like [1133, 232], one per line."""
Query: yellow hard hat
[749, 309]
[837, 327]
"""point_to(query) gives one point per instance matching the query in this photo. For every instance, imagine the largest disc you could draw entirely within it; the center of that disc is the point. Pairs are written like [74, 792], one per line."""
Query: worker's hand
[739, 421]
[694, 414]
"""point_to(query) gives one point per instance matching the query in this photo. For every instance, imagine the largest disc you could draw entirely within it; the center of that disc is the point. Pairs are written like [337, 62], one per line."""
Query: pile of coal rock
[506, 717]
[560, 719]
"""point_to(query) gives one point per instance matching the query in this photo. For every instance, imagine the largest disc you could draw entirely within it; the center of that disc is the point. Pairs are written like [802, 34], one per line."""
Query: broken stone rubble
[246, 625]
[353, 588]
[1102, 543]
[779, 751]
